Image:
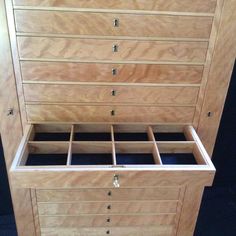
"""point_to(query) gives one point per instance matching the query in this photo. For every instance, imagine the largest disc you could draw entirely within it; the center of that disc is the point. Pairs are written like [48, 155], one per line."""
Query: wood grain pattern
[91, 49]
[77, 195]
[125, 73]
[111, 94]
[90, 113]
[107, 207]
[102, 24]
[101, 221]
[155, 5]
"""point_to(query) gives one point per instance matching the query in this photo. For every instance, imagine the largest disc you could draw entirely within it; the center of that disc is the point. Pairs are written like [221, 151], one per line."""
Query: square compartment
[172, 136]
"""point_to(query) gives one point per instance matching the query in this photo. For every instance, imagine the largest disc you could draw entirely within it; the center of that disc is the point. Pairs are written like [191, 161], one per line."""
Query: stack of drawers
[136, 211]
[112, 61]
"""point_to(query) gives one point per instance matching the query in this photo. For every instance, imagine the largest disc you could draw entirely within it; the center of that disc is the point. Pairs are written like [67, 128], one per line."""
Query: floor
[217, 216]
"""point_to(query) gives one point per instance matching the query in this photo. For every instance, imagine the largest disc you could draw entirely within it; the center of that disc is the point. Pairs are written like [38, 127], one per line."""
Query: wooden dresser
[112, 96]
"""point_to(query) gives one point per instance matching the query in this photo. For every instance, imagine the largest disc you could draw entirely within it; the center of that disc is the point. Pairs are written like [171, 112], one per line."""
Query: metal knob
[113, 113]
[108, 220]
[116, 181]
[109, 193]
[109, 207]
[113, 92]
[108, 232]
[115, 48]
[116, 22]
[114, 71]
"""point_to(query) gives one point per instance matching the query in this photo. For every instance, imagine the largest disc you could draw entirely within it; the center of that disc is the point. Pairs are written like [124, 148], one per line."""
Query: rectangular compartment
[44, 132]
[93, 153]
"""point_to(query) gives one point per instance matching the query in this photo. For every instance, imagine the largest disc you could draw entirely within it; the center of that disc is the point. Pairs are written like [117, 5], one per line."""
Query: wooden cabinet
[110, 94]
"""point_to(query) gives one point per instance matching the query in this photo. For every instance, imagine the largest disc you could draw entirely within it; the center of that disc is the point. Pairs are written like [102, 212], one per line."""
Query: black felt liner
[46, 159]
[131, 137]
[178, 159]
[92, 137]
[169, 137]
[134, 159]
[52, 137]
[91, 159]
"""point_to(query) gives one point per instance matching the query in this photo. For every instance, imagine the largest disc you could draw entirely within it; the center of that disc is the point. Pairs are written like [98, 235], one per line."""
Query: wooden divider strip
[113, 145]
[156, 153]
[69, 156]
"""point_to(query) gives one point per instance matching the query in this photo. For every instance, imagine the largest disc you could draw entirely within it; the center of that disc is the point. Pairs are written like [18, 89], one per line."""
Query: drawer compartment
[127, 162]
[109, 207]
[106, 221]
[84, 50]
[151, 5]
[115, 113]
[134, 194]
[179, 95]
[112, 73]
[106, 24]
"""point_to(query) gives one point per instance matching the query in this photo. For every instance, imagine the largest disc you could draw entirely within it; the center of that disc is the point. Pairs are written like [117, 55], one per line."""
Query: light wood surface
[179, 95]
[158, 5]
[89, 113]
[128, 50]
[101, 73]
[103, 24]
[107, 207]
[78, 195]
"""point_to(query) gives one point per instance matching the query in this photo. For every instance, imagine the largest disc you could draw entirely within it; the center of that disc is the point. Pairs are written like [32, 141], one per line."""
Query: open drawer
[105, 155]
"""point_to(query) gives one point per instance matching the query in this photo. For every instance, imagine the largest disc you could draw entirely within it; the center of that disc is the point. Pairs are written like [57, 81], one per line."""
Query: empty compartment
[91, 154]
[92, 133]
[46, 154]
[51, 132]
[131, 133]
[135, 154]
[179, 154]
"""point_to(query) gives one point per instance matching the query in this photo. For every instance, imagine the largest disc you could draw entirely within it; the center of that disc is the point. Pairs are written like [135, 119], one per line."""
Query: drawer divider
[69, 157]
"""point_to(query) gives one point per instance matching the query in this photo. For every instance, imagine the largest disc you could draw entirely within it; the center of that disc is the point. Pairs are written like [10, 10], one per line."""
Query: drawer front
[108, 194]
[115, 73]
[106, 220]
[161, 230]
[90, 113]
[106, 24]
[179, 95]
[94, 49]
[150, 5]
[111, 207]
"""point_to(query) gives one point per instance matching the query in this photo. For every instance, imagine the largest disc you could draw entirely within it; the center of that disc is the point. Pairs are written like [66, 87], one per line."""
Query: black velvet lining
[46, 159]
[52, 137]
[92, 136]
[134, 159]
[169, 137]
[178, 159]
[131, 137]
[91, 159]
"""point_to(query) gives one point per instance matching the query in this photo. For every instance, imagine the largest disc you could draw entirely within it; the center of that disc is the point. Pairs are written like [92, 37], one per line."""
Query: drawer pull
[114, 71]
[116, 181]
[113, 112]
[116, 22]
[108, 220]
[113, 92]
[115, 48]
[109, 207]
[109, 193]
[108, 232]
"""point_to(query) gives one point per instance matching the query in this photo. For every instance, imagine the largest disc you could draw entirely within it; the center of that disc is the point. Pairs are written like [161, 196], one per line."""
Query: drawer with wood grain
[73, 49]
[160, 230]
[111, 73]
[107, 24]
[109, 113]
[109, 207]
[173, 95]
[134, 194]
[150, 5]
[107, 220]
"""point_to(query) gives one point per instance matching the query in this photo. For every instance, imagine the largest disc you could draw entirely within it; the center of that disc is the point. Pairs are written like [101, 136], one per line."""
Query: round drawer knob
[108, 220]
[109, 193]
[115, 48]
[116, 22]
[108, 232]
[113, 113]
[109, 207]
[116, 182]
[114, 71]
[113, 92]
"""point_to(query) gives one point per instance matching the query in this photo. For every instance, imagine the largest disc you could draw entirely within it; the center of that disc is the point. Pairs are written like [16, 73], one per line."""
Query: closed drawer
[111, 207]
[106, 24]
[110, 50]
[161, 230]
[90, 113]
[106, 220]
[108, 194]
[179, 95]
[115, 73]
[150, 5]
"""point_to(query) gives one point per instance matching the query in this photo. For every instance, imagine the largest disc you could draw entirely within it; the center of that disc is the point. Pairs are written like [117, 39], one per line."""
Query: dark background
[217, 216]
